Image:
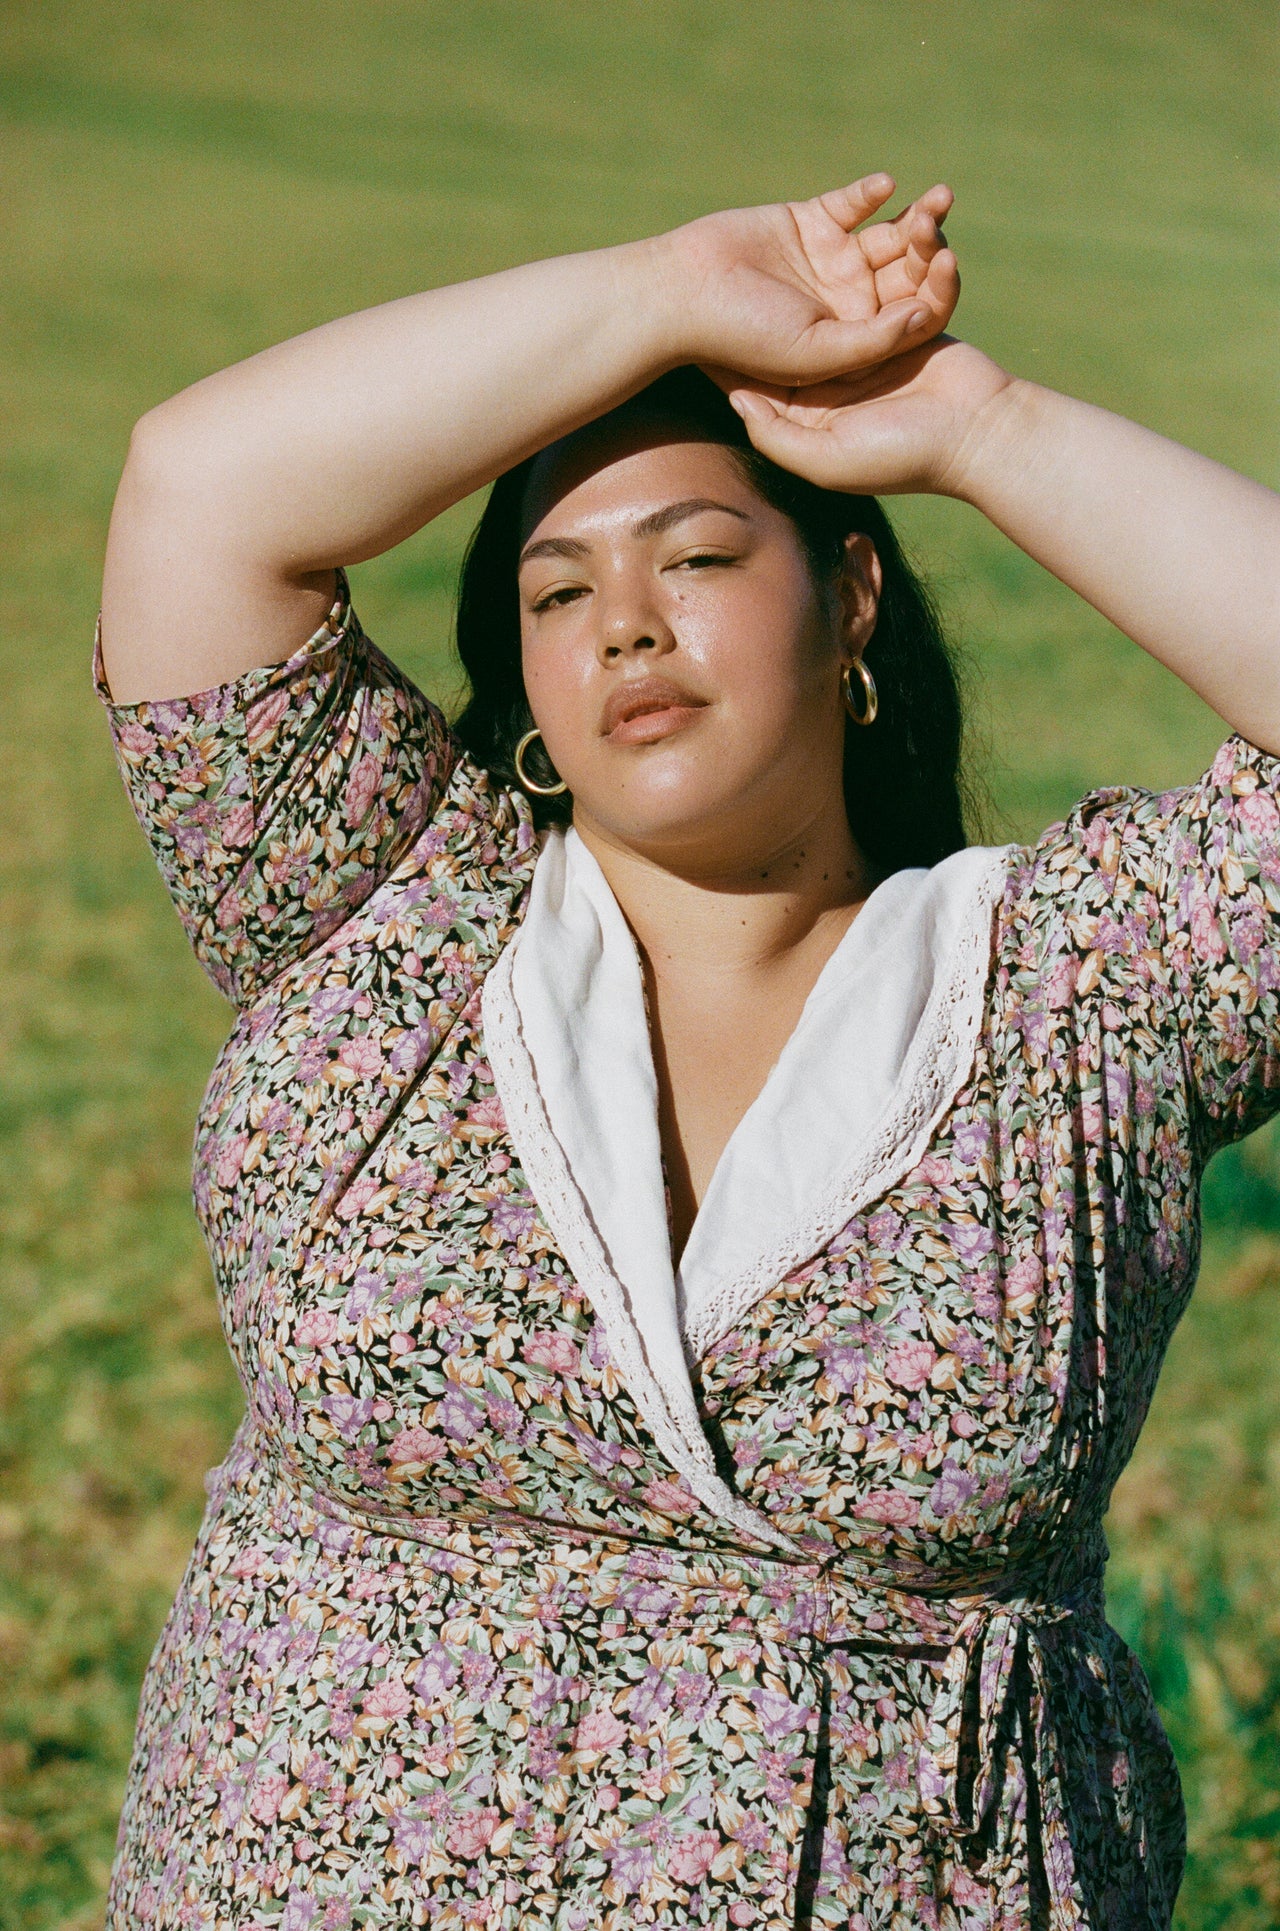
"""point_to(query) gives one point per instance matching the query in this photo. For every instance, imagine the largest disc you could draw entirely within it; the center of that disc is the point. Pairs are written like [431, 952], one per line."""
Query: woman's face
[682, 665]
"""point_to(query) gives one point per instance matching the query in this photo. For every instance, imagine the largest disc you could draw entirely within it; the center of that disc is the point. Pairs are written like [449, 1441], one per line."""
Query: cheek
[557, 675]
[766, 647]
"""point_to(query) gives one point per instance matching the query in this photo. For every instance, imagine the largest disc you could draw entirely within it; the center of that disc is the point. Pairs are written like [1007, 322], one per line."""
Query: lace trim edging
[939, 1058]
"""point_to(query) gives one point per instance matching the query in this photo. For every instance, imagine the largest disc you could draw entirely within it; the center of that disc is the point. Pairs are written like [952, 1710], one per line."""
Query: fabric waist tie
[995, 1661]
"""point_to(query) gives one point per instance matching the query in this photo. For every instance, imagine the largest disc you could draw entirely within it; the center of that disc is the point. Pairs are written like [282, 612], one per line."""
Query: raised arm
[242, 494]
[1179, 552]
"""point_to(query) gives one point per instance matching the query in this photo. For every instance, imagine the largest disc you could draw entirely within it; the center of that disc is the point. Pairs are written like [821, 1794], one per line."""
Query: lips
[646, 709]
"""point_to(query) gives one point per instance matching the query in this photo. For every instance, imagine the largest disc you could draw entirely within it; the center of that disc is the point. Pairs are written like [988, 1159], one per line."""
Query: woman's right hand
[798, 292]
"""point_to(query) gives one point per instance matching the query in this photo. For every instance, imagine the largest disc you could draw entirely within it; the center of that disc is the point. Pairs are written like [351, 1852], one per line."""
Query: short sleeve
[275, 804]
[1168, 905]
[1219, 885]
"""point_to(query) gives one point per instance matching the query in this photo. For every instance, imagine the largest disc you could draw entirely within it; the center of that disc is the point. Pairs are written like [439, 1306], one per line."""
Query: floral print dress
[488, 1627]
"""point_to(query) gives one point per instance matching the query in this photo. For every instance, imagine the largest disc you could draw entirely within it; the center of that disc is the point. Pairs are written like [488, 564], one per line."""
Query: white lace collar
[885, 1040]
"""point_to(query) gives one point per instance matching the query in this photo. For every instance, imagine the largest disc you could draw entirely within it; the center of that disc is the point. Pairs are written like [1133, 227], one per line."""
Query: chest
[938, 1380]
[712, 1054]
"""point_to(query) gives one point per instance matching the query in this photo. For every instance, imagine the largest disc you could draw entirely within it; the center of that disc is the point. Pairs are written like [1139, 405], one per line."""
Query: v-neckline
[677, 1259]
[848, 1105]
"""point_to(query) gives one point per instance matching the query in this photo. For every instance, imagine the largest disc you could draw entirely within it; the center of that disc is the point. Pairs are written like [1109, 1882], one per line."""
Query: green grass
[187, 183]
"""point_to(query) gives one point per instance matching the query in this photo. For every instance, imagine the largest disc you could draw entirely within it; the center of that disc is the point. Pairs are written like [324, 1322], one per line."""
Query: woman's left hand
[903, 427]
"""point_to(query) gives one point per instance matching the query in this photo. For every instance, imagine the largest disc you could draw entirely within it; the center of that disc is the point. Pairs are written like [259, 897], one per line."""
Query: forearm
[347, 438]
[242, 493]
[1179, 552]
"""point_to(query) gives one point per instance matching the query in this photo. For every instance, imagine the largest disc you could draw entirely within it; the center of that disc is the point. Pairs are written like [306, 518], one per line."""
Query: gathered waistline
[989, 1639]
[554, 1572]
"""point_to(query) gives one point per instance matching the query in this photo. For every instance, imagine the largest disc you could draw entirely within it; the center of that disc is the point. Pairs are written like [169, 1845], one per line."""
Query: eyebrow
[654, 524]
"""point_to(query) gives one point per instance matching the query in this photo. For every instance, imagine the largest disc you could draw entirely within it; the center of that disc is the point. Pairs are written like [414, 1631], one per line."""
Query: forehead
[624, 473]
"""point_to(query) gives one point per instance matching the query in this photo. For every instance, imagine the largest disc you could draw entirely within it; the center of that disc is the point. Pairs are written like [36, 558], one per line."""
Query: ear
[860, 583]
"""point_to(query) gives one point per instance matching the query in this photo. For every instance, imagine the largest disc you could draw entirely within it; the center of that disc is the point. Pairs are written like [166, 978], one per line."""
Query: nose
[632, 624]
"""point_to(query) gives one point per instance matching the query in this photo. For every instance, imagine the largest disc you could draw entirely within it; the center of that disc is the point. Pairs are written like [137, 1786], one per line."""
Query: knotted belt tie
[995, 1653]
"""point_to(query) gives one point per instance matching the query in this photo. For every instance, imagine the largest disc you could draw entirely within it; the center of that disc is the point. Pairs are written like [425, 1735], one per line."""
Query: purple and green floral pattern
[457, 1647]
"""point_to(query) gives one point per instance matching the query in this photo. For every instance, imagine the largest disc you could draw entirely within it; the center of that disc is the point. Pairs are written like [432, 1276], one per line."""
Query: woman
[590, 1556]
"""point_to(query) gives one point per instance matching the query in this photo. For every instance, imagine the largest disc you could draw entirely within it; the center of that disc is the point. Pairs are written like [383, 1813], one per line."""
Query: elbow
[158, 458]
[174, 476]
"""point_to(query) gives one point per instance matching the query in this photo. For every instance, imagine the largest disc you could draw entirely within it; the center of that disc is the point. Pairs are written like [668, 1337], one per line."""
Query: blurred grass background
[186, 183]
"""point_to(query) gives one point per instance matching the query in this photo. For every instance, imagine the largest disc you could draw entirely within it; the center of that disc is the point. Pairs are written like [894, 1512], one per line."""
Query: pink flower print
[388, 1700]
[1206, 932]
[691, 1857]
[964, 1888]
[935, 1171]
[910, 1363]
[230, 1160]
[356, 1198]
[598, 1731]
[1060, 984]
[472, 1833]
[669, 1498]
[1095, 834]
[361, 788]
[1023, 1284]
[237, 826]
[1256, 811]
[363, 1055]
[230, 911]
[267, 1796]
[891, 1507]
[488, 1114]
[550, 1350]
[135, 739]
[316, 1328]
[416, 1445]
[263, 716]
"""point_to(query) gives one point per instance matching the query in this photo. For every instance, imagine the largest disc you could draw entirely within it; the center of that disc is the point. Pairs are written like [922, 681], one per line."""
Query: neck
[748, 921]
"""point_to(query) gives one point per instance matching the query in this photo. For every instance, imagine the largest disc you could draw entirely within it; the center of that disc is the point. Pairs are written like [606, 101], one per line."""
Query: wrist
[652, 293]
[993, 441]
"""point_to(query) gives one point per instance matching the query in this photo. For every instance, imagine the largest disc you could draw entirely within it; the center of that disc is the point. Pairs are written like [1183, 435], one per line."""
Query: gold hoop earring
[868, 714]
[538, 790]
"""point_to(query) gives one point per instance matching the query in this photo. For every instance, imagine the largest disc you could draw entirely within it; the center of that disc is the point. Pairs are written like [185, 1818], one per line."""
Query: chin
[681, 822]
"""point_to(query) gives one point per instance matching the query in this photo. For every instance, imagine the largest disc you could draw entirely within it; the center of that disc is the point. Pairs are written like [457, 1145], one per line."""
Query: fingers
[915, 234]
[835, 348]
[848, 206]
[928, 269]
[806, 450]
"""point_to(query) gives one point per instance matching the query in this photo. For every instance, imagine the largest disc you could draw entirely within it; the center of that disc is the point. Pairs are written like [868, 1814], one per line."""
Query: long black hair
[905, 790]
